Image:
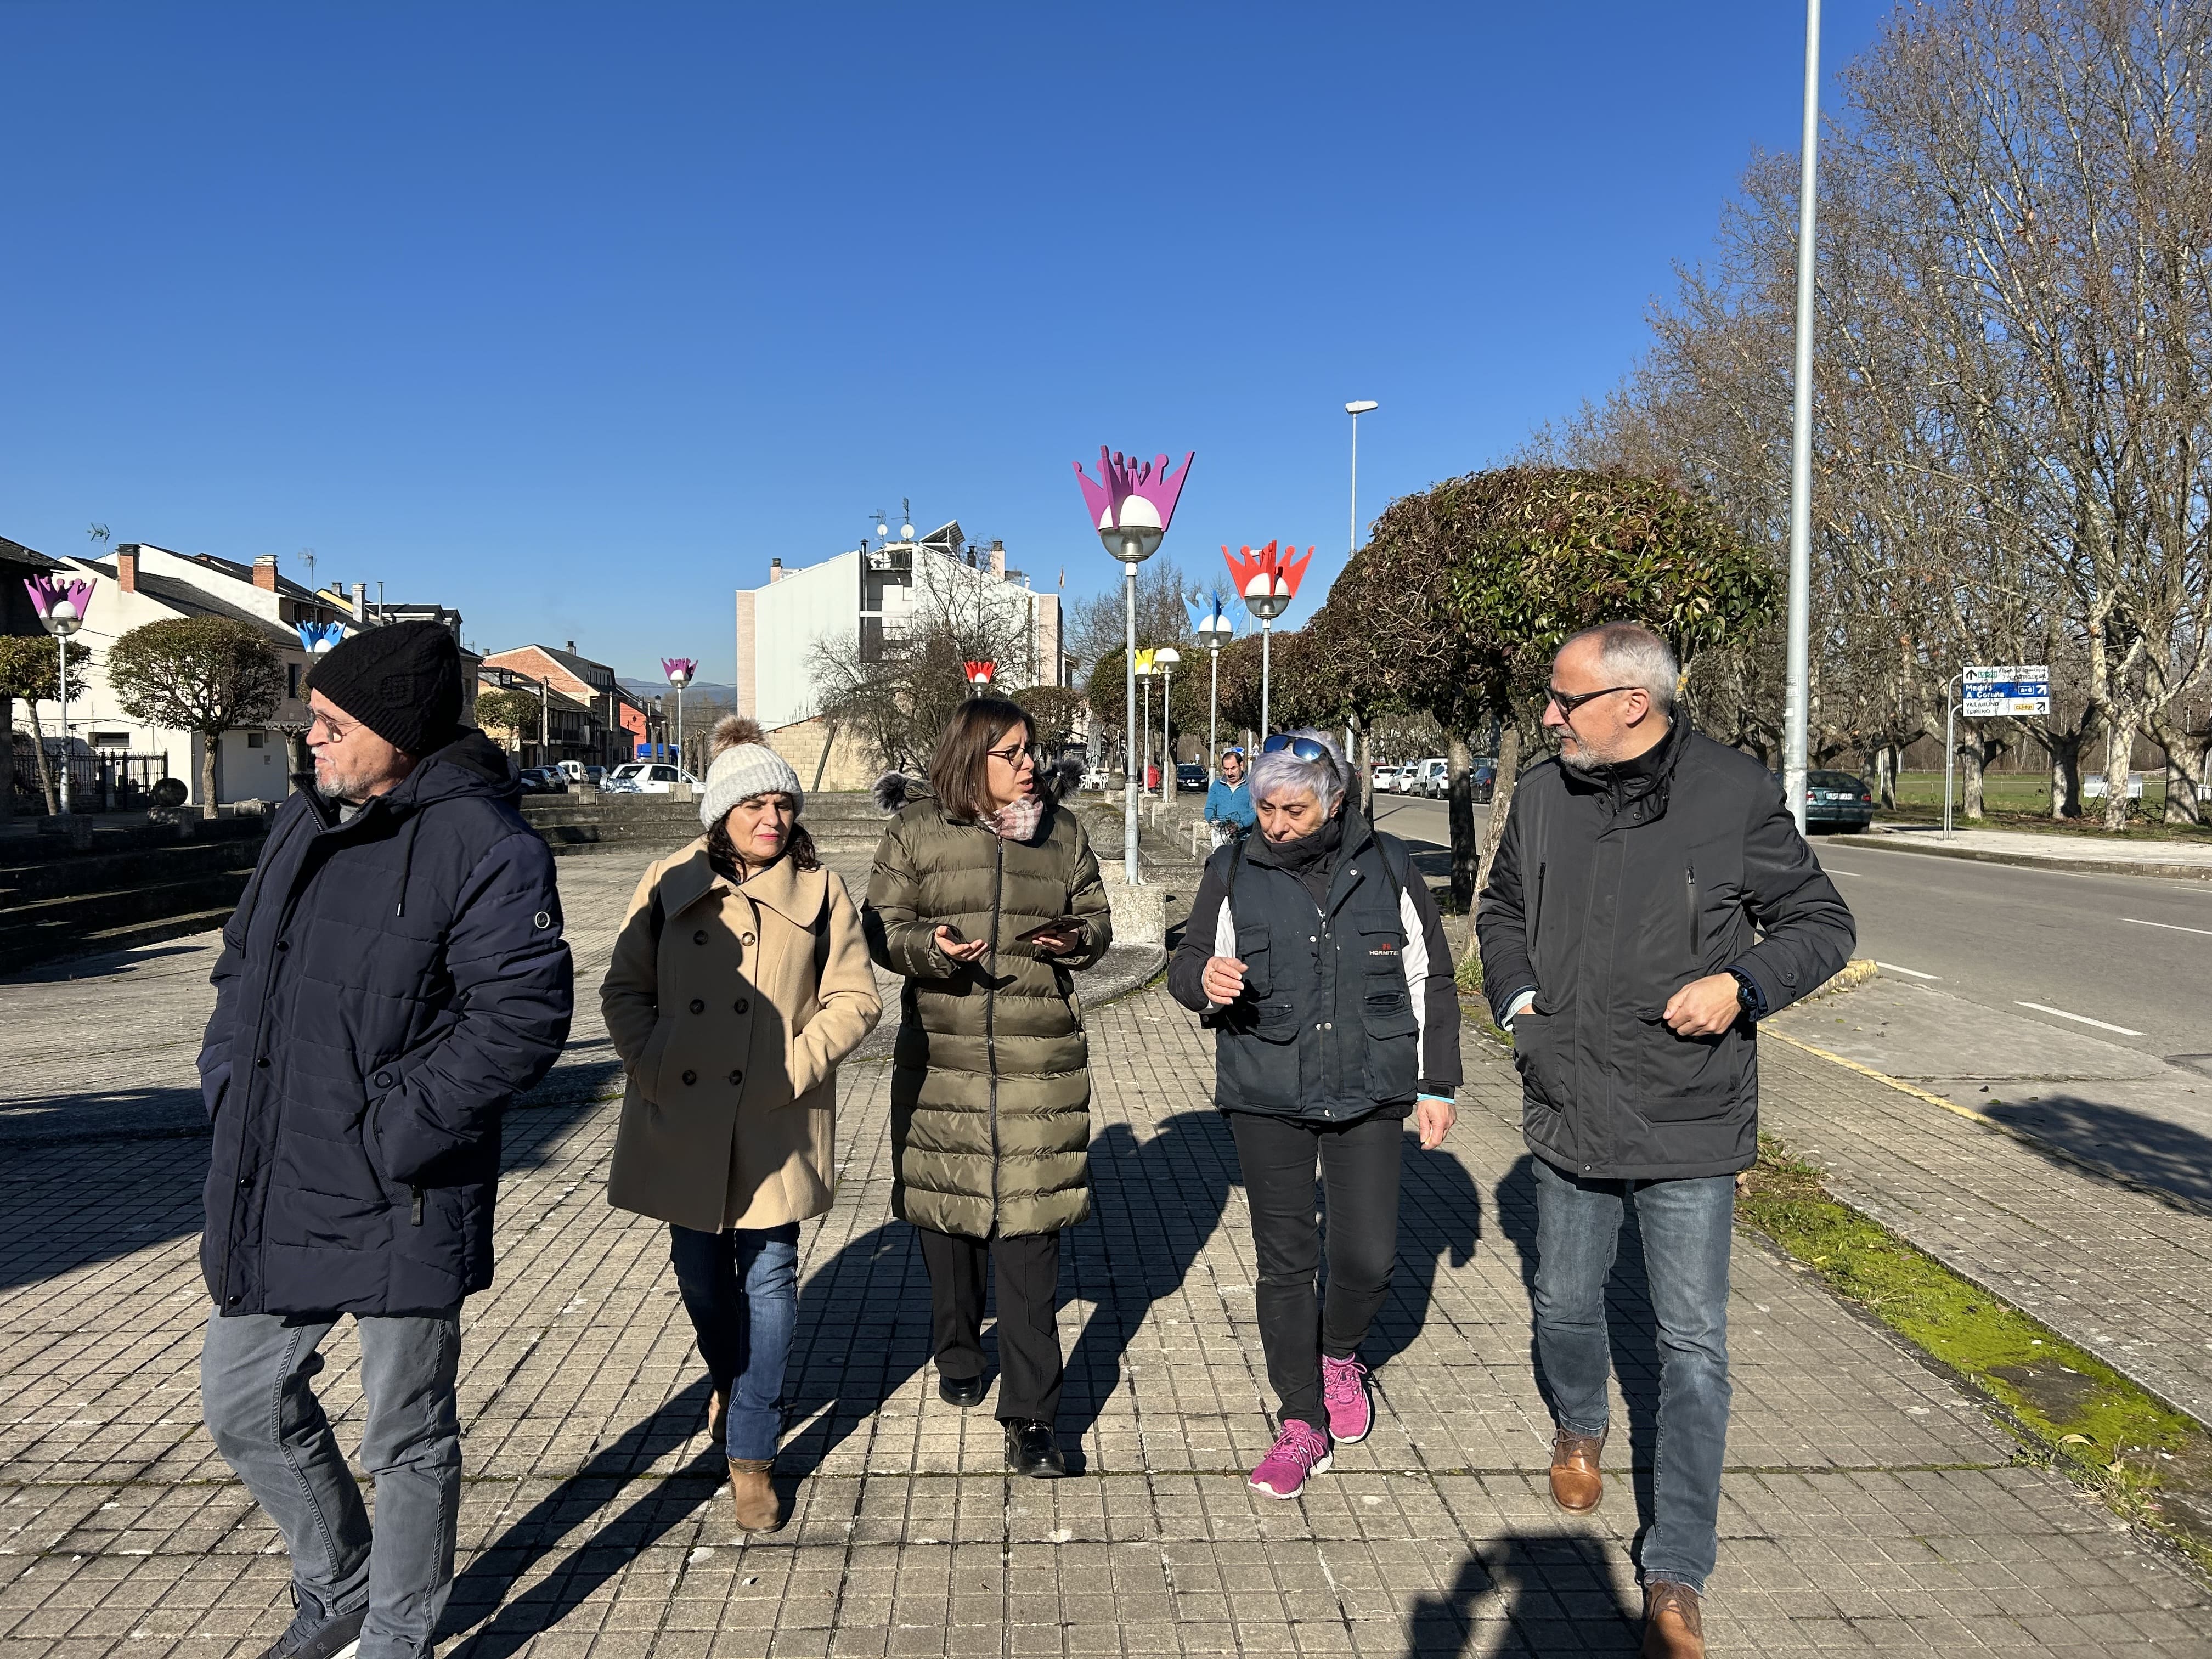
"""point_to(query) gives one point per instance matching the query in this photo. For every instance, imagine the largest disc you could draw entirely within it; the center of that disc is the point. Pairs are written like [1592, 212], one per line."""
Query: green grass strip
[2153, 1464]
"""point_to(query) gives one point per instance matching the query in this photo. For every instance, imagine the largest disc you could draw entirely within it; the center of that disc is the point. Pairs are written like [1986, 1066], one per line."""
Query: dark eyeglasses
[1567, 702]
[1304, 748]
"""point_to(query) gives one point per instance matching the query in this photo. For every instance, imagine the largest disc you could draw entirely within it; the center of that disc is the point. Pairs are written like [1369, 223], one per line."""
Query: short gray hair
[1284, 773]
[1629, 653]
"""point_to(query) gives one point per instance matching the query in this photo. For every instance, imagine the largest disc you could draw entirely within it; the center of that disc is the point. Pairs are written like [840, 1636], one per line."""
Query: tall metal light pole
[1131, 507]
[1797, 706]
[1269, 582]
[1164, 662]
[1214, 628]
[61, 607]
[679, 670]
[1356, 410]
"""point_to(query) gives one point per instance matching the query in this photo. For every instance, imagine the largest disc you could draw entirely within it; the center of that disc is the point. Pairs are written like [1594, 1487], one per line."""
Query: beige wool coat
[730, 1006]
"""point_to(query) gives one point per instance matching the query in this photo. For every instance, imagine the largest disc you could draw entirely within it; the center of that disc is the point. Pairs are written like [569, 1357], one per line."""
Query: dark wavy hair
[722, 852]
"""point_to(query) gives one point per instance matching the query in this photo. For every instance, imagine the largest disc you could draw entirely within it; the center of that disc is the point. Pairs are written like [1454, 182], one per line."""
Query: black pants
[1026, 1271]
[1359, 1179]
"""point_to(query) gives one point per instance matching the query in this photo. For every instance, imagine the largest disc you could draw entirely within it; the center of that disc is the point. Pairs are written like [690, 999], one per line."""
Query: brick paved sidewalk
[1869, 1506]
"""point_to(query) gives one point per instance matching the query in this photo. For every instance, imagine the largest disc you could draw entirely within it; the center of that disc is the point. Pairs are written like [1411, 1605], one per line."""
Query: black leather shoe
[1033, 1449]
[961, 1391]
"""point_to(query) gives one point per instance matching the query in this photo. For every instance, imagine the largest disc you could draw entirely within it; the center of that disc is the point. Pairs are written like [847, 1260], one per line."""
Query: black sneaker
[333, 1639]
[1033, 1449]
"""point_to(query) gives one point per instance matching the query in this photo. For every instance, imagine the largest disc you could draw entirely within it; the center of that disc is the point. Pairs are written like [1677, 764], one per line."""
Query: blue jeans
[741, 1289]
[1687, 1227]
[254, 1394]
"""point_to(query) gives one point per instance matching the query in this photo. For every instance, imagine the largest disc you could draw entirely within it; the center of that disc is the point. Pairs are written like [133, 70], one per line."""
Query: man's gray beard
[1583, 761]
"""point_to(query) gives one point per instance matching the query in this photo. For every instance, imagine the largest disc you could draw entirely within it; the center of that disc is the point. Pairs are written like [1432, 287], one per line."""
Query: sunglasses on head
[1304, 748]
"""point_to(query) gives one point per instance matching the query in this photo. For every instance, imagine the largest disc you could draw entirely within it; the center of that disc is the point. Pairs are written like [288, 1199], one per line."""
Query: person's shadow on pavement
[1439, 1216]
[1631, 1332]
[1155, 1204]
[1558, 1598]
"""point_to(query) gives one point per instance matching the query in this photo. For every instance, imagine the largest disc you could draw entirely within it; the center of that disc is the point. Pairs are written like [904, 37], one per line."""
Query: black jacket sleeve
[1500, 921]
[1809, 930]
[1186, 973]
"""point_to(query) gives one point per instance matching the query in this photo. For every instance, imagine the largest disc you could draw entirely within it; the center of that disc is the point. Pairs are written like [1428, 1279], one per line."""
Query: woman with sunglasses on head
[986, 898]
[1317, 957]
[740, 979]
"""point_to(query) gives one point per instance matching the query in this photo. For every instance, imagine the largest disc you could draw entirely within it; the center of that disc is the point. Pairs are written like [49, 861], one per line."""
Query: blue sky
[573, 316]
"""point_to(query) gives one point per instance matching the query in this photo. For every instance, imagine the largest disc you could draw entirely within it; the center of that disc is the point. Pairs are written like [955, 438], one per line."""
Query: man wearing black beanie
[394, 975]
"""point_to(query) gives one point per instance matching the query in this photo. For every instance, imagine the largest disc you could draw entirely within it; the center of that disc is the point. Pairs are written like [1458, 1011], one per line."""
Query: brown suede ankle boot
[1577, 1484]
[1673, 1627]
[752, 1495]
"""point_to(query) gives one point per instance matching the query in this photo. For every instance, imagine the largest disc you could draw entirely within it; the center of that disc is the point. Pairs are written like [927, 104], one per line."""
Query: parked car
[1483, 771]
[1386, 780]
[1837, 800]
[1096, 777]
[543, 780]
[1190, 777]
[1434, 778]
[648, 778]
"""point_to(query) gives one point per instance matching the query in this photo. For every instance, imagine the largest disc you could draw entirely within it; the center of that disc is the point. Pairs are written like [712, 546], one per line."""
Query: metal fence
[99, 779]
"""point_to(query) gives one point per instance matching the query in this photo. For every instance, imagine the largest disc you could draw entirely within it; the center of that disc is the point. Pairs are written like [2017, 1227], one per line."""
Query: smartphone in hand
[1071, 924]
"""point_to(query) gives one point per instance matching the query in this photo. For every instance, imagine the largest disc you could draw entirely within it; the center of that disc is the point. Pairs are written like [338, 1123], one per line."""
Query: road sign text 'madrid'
[1992, 692]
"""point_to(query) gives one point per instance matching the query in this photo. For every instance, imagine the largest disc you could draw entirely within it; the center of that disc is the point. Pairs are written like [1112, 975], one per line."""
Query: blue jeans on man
[255, 1369]
[741, 1289]
[1687, 1227]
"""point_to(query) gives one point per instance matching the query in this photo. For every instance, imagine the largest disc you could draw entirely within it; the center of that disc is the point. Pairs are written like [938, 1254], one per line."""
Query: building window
[292, 679]
[257, 739]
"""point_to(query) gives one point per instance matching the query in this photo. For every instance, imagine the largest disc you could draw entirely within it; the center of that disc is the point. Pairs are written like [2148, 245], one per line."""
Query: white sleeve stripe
[1417, 971]
[1224, 930]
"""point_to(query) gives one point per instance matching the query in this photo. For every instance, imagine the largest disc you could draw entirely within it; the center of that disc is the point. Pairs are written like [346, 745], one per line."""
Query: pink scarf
[1017, 820]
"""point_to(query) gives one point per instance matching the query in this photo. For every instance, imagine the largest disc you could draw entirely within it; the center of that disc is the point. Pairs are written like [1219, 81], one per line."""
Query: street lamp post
[1131, 507]
[978, 675]
[1364, 407]
[679, 670]
[1144, 672]
[1214, 628]
[1164, 660]
[1269, 583]
[61, 607]
[1797, 697]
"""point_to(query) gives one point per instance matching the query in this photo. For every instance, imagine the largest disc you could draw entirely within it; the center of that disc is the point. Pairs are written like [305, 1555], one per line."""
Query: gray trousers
[270, 1429]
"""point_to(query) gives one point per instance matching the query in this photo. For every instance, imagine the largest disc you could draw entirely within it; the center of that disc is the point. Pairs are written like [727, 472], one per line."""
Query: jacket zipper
[1697, 943]
[990, 1016]
[1536, 914]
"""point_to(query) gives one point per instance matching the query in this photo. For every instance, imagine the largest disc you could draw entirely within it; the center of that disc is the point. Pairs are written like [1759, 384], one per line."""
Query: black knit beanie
[402, 681]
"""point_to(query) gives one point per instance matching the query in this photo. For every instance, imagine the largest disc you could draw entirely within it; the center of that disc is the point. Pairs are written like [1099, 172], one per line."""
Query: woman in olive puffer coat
[987, 899]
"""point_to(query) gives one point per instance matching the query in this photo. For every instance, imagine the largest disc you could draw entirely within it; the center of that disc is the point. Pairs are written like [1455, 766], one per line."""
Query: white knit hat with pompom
[745, 765]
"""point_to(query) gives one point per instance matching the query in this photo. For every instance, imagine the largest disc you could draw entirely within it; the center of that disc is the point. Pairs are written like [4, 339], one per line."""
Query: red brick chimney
[127, 569]
[265, 572]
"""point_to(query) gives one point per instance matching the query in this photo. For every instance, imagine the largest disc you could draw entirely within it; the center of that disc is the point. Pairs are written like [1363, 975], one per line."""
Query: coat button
[245, 1181]
[283, 944]
[699, 937]
[744, 938]
[739, 1005]
[383, 1078]
[737, 1077]
[263, 1062]
[698, 1006]
[691, 1076]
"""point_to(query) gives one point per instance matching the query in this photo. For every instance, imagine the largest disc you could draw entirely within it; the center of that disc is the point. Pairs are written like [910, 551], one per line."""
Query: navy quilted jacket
[386, 987]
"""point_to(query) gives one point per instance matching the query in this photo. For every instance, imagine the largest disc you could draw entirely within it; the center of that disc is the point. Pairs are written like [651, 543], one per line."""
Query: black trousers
[1359, 1166]
[1026, 1272]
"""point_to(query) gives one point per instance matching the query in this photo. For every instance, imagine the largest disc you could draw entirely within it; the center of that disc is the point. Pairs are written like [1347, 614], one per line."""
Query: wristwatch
[1748, 996]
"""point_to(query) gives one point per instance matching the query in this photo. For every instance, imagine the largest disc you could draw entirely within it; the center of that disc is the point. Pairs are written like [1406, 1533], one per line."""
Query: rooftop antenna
[883, 523]
[380, 599]
[307, 558]
[99, 533]
[906, 520]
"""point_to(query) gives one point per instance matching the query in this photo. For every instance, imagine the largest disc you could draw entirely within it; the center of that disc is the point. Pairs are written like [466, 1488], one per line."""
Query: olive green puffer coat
[991, 1080]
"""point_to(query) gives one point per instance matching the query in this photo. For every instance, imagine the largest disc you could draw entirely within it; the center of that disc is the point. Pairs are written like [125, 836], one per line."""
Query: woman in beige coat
[740, 979]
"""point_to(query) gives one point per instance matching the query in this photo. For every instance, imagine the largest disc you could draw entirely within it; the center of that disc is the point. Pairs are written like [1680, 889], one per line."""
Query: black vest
[1325, 1031]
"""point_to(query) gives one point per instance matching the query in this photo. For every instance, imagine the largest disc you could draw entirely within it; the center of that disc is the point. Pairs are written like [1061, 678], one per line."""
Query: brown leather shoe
[1673, 1626]
[753, 1495]
[1576, 1486]
[718, 1420]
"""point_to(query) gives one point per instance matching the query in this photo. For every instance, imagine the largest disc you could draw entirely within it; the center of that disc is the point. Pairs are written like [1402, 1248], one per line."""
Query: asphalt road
[2128, 952]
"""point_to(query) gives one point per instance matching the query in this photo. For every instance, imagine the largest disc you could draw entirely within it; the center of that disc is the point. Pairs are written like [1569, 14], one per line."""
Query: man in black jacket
[393, 976]
[1650, 901]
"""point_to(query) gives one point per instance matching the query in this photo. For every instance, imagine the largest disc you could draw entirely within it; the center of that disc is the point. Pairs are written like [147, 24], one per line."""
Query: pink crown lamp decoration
[1266, 576]
[679, 669]
[57, 601]
[1133, 496]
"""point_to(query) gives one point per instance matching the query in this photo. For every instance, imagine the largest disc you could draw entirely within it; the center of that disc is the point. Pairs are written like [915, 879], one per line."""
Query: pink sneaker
[1344, 1391]
[1299, 1451]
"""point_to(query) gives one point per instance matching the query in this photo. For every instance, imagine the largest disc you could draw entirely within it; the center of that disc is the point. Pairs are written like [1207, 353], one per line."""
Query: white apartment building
[866, 595]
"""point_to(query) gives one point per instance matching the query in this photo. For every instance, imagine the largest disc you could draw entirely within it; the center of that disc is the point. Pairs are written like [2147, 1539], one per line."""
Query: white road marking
[2082, 1019]
[1892, 968]
[2170, 926]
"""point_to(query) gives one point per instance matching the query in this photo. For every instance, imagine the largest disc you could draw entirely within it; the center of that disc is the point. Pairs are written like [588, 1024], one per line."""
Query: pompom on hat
[745, 765]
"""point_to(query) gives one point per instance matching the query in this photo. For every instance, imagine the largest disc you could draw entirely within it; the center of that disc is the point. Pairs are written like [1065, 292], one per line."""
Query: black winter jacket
[1610, 892]
[386, 987]
[1348, 1007]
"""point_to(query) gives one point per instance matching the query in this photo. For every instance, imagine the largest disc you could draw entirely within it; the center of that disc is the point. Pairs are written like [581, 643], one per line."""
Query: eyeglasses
[1567, 702]
[1304, 748]
[1013, 756]
[338, 733]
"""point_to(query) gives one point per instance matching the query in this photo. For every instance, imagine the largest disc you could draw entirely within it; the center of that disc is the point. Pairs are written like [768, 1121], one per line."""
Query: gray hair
[1629, 653]
[1284, 773]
